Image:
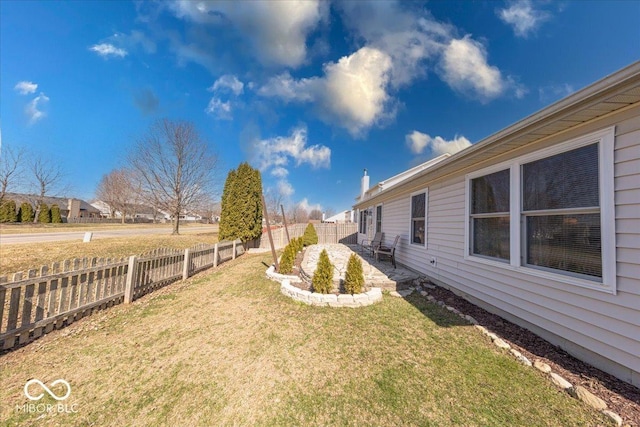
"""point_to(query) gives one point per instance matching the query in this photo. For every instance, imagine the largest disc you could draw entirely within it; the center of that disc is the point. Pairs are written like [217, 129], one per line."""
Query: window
[418, 217]
[561, 210]
[363, 221]
[378, 218]
[550, 213]
[490, 215]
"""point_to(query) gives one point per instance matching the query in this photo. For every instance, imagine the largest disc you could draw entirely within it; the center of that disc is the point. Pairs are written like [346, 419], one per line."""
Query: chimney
[364, 184]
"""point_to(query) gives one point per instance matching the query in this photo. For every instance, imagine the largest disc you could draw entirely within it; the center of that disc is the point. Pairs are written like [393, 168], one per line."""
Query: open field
[226, 348]
[14, 258]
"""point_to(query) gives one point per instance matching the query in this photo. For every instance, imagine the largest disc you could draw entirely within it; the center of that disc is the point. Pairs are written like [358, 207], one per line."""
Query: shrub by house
[322, 281]
[354, 277]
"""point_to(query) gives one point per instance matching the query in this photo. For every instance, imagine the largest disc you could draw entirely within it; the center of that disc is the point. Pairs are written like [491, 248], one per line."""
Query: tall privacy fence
[327, 233]
[38, 301]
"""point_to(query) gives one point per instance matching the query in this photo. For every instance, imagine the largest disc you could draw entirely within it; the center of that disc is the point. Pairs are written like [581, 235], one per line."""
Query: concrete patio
[380, 274]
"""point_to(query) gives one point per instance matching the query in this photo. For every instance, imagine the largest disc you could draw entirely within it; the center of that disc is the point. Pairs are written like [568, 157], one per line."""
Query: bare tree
[298, 214]
[175, 165]
[273, 200]
[117, 189]
[10, 169]
[47, 176]
[316, 214]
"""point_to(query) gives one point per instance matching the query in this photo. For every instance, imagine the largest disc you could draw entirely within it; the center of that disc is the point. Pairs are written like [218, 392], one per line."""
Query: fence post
[185, 267]
[215, 256]
[131, 276]
[233, 253]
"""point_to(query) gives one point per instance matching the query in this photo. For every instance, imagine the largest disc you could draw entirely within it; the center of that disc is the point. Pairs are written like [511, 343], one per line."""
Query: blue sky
[309, 92]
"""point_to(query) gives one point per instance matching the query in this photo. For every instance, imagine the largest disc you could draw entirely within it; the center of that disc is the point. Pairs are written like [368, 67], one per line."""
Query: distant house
[134, 211]
[69, 208]
[539, 223]
[340, 218]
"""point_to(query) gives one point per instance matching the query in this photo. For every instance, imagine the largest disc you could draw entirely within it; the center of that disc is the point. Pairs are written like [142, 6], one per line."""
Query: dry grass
[21, 257]
[226, 348]
[49, 228]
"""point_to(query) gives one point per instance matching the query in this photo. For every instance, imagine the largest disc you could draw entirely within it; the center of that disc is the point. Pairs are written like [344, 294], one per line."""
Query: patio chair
[389, 251]
[371, 245]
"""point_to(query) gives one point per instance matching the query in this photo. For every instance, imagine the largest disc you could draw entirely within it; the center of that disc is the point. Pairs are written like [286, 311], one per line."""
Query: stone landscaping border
[577, 392]
[331, 300]
[327, 300]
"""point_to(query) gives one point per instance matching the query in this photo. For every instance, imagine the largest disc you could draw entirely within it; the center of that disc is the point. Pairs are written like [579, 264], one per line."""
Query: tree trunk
[176, 224]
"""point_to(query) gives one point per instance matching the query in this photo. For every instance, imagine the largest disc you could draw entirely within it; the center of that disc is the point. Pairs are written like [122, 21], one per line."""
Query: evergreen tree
[44, 217]
[287, 260]
[226, 229]
[26, 212]
[322, 281]
[241, 216]
[310, 236]
[354, 277]
[8, 211]
[56, 218]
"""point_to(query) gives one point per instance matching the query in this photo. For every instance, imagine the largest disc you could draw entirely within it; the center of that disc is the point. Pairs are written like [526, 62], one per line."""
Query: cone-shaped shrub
[44, 216]
[354, 277]
[56, 218]
[299, 244]
[26, 212]
[8, 211]
[323, 277]
[310, 236]
[287, 260]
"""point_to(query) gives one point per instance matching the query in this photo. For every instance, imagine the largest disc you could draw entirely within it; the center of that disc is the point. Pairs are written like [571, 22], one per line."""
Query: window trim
[379, 220]
[605, 139]
[426, 215]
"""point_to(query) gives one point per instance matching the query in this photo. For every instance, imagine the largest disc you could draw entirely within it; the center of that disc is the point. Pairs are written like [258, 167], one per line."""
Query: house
[538, 223]
[69, 208]
[342, 217]
[135, 212]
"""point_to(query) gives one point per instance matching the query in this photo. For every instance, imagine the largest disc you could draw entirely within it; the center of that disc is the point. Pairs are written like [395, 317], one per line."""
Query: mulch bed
[621, 397]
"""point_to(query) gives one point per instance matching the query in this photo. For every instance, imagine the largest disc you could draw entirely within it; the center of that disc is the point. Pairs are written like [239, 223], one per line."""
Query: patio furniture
[389, 251]
[371, 245]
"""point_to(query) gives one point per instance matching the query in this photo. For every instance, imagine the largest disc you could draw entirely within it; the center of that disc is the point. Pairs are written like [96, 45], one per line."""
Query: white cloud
[304, 204]
[276, 30]
[228, 82]
[25, 87]
[219, 109]
[107, 50]
[418, 142]
[34, 109]
[352, 93]
[523, 17]
[279, 172]
[553, 92]
[276, 152]
[285, 188]
[464, 67]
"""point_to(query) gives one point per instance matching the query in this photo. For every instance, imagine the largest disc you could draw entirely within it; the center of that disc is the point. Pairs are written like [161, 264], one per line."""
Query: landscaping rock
[541, 366]
[501, 344]
[587, 397]
[520, 357]
[617, 419]
[423, 293]
[406, 292]
[395, 294]
[481, 329]
[470, 319]
[559, 381]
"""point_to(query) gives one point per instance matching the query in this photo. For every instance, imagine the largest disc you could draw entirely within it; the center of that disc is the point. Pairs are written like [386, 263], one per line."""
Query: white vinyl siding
[600, 327]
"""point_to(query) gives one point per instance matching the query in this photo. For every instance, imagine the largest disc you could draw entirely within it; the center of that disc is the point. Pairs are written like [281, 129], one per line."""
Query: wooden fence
[327, 233]
[36, 302]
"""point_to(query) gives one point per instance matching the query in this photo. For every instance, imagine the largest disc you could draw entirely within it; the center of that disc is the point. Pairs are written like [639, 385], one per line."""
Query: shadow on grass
[529, 344]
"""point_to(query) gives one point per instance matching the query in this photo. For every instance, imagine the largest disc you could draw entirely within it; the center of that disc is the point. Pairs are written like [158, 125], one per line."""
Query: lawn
[226, 348]
[21, 257]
